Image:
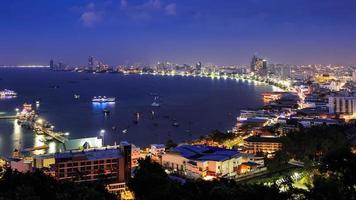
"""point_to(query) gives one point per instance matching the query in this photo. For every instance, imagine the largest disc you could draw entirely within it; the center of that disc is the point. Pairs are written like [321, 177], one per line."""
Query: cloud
[90, 15]
[171, 9]
[90, 18]
[148, 9]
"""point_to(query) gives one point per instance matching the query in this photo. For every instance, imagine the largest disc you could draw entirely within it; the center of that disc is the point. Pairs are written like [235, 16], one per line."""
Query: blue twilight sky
[182, 31]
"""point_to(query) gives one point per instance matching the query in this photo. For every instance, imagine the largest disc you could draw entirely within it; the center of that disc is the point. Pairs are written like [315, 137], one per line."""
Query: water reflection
[38, 143]
[101, 106]
[17, 136]
[52, 147]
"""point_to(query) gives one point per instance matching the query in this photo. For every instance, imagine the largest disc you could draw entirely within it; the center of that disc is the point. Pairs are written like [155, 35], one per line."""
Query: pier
[28, 117]
[40, 128]
[8, 117]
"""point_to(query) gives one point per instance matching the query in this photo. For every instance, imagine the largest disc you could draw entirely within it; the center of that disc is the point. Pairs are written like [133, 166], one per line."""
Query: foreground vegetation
[36, 186]
[329, 172]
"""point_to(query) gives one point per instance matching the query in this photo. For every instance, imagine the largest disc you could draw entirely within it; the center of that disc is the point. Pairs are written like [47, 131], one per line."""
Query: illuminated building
[91, 165]
[199, 161]
[267, 145]
[259, 66]
[354, 76]
[285, 72]
[135, 153]
[156, 151]
[342, 103]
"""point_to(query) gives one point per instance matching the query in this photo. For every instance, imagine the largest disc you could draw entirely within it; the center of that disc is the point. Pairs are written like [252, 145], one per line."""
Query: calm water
[199, 105]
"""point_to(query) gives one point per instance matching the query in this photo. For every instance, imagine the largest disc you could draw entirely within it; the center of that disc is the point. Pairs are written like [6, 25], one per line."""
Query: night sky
[182, 31]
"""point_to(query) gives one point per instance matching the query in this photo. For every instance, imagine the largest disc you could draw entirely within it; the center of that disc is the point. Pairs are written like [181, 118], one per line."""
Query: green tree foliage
[313, 143]
[35, 186]
[337, 178]
[219, 136]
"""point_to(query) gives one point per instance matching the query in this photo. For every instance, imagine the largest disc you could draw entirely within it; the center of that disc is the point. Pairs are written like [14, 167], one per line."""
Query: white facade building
[342, 104]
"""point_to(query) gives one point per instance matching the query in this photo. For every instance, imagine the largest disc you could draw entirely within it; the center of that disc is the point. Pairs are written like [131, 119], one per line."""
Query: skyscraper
[198, 66]
[285, 72]
[51, 64]
[259, 66]
[91, 63]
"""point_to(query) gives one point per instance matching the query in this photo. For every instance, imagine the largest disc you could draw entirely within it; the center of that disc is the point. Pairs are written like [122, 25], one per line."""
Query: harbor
[28, 118]
[178, 117]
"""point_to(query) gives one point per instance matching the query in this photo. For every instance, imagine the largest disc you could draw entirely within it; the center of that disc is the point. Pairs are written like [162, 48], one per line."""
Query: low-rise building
[342, 103]
[199, 161]
[109, 164]
[21, 165]
[156, 151]
[266, 145]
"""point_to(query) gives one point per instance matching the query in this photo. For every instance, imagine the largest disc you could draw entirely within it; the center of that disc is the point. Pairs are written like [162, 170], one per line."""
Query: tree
[18, 186]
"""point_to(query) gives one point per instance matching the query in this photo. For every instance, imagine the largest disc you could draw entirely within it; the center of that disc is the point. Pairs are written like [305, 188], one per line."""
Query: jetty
[8, 117]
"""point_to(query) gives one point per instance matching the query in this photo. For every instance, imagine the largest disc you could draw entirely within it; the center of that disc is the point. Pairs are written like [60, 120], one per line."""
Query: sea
[190, 107]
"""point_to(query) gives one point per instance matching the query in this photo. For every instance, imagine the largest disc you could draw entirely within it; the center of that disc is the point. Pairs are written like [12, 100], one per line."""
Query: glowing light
[39, 121]
[102, 132]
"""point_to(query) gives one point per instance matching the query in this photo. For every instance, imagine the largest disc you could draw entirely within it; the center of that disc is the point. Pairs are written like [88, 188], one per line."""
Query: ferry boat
[155, 104]
[103, 99]
[7, 93]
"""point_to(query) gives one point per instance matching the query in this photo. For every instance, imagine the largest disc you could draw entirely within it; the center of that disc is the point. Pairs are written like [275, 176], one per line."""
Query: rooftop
[263, 139]
[90, 155]
[204, 153]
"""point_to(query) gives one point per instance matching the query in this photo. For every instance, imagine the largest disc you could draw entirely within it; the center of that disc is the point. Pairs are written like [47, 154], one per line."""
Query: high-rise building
[286, 72]
[51, 64]
[259, 66]
[198, 66]
[91, 63]
[253, 63]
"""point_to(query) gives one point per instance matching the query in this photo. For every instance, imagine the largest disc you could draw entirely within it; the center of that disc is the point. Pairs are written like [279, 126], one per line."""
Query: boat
[76, 96]
[7, 93]
[175, 124]
[155, 104]
[124, 131]
[103, 99]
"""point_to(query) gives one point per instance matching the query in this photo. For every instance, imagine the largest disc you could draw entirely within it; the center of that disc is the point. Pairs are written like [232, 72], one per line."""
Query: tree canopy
[33, 186]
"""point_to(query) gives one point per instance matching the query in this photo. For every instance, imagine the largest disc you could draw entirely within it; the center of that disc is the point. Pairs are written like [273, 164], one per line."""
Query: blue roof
[204, 153]
[90, 155]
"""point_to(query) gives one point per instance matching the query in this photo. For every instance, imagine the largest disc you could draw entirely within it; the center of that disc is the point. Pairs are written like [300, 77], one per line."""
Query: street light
[102, 134]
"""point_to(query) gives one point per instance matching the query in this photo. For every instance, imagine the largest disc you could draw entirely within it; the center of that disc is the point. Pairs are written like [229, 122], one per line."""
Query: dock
[43, 147]
[55, 136]
[8, 117]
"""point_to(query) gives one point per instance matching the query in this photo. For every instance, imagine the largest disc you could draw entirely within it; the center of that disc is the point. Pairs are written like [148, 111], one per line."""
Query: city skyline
[147, 31]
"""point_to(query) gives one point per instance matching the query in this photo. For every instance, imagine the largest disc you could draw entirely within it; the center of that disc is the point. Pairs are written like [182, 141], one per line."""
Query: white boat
[155, 104]
[7, 93]
[103, 99]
